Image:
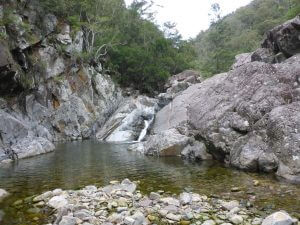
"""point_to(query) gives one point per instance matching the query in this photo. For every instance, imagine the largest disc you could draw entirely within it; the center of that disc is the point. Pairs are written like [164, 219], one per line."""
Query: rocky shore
[122, 203]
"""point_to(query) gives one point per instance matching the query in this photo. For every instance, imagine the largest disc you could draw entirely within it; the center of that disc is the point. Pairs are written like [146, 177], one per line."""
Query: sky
[191, 16]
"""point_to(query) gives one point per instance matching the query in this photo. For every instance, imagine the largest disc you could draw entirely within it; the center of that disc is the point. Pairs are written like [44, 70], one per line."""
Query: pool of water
[77, 164]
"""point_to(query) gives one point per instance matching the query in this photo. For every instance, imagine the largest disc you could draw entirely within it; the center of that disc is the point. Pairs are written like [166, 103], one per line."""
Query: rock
[64, 37]
[154, 196]
[129, 186]
[256, 144]
[129, 220]
[68, 220]
[279, 218]
[236, 219]
[77, 44]
[263, 55]
[173, 217]
[151, 218]
[209, 222]
[196, 151]
[185, 222]
[170, 201]
[185, 198]
[54, 65]
[241, 60]
[3, 194]
[284, 38]
[139, 218]
[127, 122]
[28, 147]
[43, 196]
[166, 143]
[57, 202]
[83, 214]
[256, 221]
[230, 205]
[235, 189]
[50, 23]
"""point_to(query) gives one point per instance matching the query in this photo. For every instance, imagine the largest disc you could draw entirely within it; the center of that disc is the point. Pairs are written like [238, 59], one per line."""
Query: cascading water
[144, 131]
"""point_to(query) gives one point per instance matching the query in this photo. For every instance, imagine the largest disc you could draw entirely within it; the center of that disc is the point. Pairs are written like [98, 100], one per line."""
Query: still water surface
[77, 164]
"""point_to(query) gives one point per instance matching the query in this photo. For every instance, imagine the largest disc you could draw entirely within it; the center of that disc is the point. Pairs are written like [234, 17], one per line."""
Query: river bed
[77, 164]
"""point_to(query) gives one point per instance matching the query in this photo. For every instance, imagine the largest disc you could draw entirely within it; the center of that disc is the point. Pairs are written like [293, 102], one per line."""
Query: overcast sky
[191, 16]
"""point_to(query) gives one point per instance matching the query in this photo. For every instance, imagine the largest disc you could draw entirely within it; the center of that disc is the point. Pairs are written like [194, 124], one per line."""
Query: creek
[77, 164]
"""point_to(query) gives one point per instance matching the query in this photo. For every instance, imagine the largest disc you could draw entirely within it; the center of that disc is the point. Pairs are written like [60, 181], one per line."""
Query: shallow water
[74, 165]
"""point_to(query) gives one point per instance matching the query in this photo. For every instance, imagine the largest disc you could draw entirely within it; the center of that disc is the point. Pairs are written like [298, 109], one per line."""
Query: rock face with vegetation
[55, 57]
[248, 117]
[242, 31]
[46, 94]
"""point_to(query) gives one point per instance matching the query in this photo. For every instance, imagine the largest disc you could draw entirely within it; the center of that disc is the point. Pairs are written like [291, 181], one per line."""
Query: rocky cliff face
[46, 94]
[248, 117]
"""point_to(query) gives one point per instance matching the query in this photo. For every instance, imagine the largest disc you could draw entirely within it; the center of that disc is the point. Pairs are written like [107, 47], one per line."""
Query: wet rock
[57, 202]
[279, 218]
[3, 194]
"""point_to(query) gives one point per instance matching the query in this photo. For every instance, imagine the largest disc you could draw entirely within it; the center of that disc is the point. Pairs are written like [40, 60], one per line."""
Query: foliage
[126, 40]
[239, 32]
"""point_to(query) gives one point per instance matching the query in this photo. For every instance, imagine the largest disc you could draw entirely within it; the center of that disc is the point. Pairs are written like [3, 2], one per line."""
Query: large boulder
[248, 117]
[165, 143]
[281, 43]
[177, 84]
[284, 38]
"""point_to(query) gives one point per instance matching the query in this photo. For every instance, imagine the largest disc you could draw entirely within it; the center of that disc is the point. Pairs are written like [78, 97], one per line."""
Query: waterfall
[144, 131]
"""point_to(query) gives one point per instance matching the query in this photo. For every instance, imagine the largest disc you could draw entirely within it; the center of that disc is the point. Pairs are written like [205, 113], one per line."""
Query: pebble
[235, 189]
[236, 219]
[121, 203]
[173, 217]
[209, 222]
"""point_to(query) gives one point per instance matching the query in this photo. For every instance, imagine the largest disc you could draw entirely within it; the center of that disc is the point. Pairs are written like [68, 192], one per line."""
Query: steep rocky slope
[46, 94]
[248, 117]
